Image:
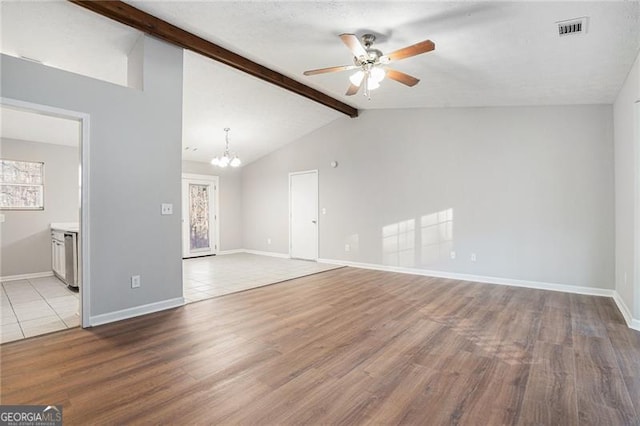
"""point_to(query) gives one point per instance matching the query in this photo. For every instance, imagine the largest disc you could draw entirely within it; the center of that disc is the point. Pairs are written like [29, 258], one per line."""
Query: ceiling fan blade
[354, 45]
[409, 51]
[355, 85]
[401, 77]
[330, 69]
[352, 90]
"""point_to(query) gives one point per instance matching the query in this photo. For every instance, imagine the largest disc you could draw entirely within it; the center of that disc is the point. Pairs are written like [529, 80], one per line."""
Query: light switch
[167, 208]
[1, 218]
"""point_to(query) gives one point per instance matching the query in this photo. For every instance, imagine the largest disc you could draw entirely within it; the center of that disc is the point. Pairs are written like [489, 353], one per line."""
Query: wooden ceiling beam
[140, 20]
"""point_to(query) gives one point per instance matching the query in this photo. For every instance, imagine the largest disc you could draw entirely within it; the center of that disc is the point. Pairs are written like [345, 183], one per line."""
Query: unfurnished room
[320, 212]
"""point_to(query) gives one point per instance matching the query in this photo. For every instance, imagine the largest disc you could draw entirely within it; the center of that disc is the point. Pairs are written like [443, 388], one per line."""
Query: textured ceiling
[487, 54]
[261, 116]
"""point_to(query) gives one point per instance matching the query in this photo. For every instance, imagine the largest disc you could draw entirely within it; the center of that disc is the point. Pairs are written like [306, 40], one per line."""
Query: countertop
[66, 227]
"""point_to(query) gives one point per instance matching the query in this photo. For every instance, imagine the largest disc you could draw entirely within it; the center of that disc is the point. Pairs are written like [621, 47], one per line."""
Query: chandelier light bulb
[215, 161]
[235, 162]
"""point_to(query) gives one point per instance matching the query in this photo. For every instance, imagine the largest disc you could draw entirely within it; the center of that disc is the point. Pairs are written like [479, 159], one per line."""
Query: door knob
[313, 221]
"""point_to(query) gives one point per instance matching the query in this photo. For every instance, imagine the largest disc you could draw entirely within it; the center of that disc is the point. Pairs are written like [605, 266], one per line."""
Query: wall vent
[572, 27]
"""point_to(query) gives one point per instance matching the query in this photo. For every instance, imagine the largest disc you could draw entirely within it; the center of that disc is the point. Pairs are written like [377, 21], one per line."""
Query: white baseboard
[267, 253]
[135, 311]
[624, 309]
[27, 276]
[566, 288]
[258, 252]
[234, 251]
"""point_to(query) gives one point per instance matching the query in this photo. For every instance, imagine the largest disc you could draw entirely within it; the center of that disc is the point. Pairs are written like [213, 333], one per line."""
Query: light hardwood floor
[346, 346]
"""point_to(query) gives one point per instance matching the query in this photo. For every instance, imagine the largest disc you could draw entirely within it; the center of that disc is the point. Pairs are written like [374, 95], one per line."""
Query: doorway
[200, 231]
[47, 124]
[303, 215]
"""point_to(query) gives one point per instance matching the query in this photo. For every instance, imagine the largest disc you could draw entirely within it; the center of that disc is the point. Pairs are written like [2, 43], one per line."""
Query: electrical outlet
[324, 211]
[347, 247]
[268, 241]
[135, 281]
[473, 257]
[452, 254]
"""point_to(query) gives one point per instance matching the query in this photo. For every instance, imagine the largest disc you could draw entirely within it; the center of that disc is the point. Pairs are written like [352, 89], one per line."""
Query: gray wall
[25, 245]
[135, 165]
[627, 147]
[230, 199]
[529, 190]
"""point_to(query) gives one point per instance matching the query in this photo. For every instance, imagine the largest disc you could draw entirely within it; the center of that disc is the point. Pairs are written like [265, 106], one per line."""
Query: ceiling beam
[140, 20]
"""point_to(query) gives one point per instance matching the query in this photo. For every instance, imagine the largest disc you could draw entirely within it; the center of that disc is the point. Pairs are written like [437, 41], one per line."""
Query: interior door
[303, 207]
[199, 216]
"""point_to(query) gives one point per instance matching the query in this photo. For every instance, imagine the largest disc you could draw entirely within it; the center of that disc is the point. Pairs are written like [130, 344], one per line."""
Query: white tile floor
[212, 276]
[36, 306]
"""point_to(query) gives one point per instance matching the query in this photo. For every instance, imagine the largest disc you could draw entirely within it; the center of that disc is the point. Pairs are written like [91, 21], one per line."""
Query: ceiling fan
[371, 63]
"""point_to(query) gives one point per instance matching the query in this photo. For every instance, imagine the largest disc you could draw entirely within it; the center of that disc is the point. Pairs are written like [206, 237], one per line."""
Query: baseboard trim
[566, 288]
[267, 253]
[623, 308]
[234, 251]
[135, 311]
[27, 276]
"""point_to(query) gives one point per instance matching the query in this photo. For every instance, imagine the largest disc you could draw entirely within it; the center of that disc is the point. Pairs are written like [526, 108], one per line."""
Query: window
[21, 185]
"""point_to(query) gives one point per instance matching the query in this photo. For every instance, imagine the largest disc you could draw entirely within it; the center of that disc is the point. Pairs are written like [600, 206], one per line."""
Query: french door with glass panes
[199, 215]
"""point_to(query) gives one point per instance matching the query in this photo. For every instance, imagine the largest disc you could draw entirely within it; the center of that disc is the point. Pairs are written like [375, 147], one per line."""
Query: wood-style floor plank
[347, 346]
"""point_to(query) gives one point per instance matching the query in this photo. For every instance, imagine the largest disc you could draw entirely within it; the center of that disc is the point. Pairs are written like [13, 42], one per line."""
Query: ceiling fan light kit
[370, 63]
[228, 158]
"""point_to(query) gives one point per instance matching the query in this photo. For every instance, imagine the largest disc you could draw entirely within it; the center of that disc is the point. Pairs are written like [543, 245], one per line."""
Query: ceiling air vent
[572, 27]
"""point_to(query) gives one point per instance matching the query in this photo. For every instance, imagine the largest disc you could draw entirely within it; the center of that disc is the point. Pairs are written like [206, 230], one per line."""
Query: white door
[199, 215]
[303, 221]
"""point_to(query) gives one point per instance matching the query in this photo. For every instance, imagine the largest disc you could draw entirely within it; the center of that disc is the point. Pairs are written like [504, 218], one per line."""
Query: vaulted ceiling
[487, 54]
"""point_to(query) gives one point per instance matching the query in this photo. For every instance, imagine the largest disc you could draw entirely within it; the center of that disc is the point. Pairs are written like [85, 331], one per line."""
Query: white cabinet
[57, 254]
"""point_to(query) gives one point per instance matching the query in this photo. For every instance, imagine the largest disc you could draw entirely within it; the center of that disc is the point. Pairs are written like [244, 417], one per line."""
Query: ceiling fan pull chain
[366, 85]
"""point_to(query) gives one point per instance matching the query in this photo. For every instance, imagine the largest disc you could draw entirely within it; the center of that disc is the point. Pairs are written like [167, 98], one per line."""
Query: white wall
[230, 198]
[529, 189]
[627, 149]
[135, 165]
[26, 237]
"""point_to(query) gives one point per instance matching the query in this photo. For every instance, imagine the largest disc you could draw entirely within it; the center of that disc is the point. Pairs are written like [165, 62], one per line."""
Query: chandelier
[228, 158]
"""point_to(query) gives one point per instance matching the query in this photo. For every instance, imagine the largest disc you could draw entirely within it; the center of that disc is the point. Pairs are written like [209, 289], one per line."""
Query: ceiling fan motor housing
[374, 54]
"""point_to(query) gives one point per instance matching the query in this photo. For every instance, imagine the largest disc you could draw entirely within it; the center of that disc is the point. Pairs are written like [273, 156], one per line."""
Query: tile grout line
[48, 304]
[14, 313]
